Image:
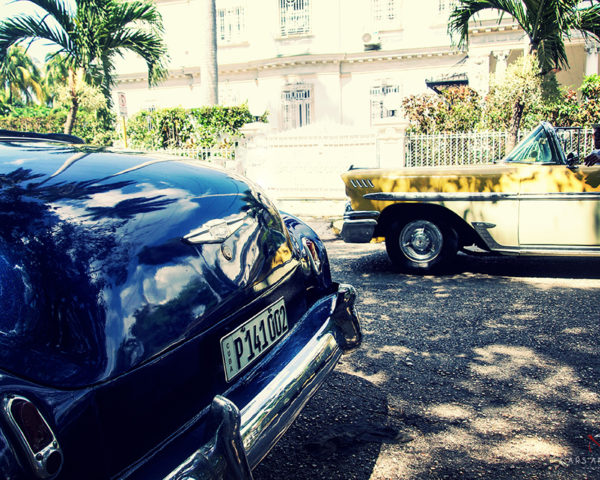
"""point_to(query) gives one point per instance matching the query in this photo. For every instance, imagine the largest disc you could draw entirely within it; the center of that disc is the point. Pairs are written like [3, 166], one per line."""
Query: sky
[9, 8]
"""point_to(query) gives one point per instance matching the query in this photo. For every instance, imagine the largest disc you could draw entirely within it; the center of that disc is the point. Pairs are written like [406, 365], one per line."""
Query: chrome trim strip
[482, 229]
[440, 197]
[561, 196]
[361, 215]
[560, 251]
[483, 196]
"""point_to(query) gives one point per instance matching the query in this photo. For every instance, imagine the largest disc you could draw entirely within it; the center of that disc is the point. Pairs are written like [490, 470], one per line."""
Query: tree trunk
[209, 73]
[70, 122]
[515, 123]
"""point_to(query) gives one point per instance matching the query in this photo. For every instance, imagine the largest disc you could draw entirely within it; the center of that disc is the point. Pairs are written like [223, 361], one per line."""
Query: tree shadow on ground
[372, 258]
[337, 436]
[493, 369]
[521, 266]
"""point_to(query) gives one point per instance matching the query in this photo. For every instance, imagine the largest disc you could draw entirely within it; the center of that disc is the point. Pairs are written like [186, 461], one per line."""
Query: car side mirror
[573, 160]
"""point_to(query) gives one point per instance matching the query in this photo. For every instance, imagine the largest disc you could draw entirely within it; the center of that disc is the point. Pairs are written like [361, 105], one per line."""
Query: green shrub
[590, 92]
[456, 109]
[188, 128]
[95, 127]
[460, 109]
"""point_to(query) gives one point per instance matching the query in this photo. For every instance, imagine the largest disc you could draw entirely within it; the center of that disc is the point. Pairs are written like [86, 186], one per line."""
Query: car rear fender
[70, 416]
[9, 462]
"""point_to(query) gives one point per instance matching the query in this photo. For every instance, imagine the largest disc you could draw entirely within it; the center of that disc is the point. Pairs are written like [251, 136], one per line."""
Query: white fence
[579, 141]
[307, 167]
[480, 147]
[454, 148]
[207, 154]
[301, 172]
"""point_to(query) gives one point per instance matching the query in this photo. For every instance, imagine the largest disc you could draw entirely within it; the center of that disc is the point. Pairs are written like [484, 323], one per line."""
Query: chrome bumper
[244, 438]
[359, 226]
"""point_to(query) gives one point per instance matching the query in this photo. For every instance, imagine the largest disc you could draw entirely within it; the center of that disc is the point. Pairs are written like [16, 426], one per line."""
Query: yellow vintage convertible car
[536, 201]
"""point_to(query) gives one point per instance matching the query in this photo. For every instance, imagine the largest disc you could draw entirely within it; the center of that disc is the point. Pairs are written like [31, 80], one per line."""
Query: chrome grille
[360, 183]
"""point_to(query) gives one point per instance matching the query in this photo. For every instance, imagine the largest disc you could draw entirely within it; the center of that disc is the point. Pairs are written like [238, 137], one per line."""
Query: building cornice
[176, 73]
[492, 26]
[336, 59]
[304, 60]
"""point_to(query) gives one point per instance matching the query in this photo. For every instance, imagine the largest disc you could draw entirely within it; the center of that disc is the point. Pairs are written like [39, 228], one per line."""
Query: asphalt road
[489, 371]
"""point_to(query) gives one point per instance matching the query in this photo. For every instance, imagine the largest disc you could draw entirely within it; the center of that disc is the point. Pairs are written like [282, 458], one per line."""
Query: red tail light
[313, 255]
[34, 435]
[34, 428]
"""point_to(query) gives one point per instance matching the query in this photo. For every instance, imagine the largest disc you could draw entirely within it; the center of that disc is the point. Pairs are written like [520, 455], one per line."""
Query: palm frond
[458, 23]
[547, 23]
[25, 27]
[89, 34]
[125, 14]
[552, 54]
[57, 9]
[148, 46]
[588, 21]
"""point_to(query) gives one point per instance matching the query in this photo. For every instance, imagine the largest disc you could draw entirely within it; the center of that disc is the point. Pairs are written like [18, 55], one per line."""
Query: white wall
[332, 58]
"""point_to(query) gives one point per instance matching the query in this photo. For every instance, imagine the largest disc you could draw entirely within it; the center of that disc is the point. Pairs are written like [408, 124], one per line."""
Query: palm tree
[208, 64]
[547, 23]
[20, 78]
[89, 34]
[56, 73]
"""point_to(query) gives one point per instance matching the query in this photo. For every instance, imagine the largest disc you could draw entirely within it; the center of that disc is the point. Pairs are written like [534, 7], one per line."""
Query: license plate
[247, 343]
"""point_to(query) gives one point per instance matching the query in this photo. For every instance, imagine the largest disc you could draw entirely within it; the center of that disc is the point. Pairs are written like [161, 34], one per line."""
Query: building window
[385, 102]
[296, 106]
[385, 14]
[445, 7]
[230, 24]
[294, 17]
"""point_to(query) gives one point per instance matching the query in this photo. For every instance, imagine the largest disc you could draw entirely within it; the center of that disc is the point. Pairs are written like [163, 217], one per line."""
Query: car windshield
[533, 149]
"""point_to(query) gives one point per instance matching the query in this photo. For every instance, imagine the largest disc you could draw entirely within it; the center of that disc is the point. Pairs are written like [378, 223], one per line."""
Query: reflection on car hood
[107, 259]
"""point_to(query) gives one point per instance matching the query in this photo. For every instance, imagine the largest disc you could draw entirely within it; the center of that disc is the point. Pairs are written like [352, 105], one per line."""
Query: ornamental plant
[89, 35]
[96, 127]
[188, 128]
[590, 105]
[456, 109]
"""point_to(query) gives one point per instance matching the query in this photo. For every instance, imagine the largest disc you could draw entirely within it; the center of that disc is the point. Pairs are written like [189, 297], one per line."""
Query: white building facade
[340, 62]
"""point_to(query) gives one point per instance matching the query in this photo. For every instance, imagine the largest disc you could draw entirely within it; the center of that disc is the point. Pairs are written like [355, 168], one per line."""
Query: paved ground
[490, 371]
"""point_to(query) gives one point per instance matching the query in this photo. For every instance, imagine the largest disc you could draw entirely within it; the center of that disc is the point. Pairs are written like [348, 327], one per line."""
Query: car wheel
[421, 245]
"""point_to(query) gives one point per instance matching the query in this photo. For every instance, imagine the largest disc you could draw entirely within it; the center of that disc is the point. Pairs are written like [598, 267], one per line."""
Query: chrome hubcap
[421, 241]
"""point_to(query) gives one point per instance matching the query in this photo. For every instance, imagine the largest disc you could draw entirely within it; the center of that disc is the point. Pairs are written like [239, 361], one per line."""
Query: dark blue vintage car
[158, 318]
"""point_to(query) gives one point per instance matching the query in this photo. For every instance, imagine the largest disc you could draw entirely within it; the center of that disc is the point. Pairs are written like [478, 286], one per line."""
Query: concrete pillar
[479, 73]
[390, 145]
[591, 58]
[501, 57]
